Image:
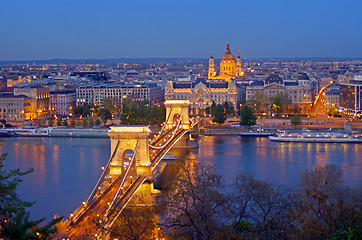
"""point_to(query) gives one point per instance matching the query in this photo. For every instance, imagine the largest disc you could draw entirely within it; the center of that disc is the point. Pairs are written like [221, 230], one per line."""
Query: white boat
[26, 131]
[317, 136]
[54, 132]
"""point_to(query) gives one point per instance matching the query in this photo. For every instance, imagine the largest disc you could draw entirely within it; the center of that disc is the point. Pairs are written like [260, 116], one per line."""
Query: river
[66, 169]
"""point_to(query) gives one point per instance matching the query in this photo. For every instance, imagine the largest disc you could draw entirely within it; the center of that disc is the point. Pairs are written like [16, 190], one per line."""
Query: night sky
[47, 29]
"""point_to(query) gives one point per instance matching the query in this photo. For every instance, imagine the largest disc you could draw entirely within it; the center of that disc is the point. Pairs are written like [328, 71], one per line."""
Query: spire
[227, 47]
[239, 54]
[211, 57]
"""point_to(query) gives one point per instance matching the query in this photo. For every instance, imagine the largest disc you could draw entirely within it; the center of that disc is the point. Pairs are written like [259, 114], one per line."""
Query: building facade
[63, 102]
[14, 108]
[39, 101]
[332, 97]
[229, 68]
[351, 97]
[95, 93]
[201, 93]
[301, 91]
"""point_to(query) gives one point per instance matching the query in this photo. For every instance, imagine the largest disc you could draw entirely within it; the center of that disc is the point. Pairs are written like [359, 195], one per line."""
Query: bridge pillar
[175, 108]
[126, 137]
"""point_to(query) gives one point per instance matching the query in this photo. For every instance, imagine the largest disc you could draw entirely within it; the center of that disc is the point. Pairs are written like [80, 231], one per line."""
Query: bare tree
[324, 205]
[258, 209]
[194, 204]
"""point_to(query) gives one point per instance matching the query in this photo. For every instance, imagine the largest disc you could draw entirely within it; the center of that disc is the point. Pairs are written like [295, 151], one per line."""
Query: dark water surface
[66, 169]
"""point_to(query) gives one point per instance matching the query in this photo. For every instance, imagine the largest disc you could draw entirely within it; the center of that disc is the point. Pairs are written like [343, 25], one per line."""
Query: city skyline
[163, 29]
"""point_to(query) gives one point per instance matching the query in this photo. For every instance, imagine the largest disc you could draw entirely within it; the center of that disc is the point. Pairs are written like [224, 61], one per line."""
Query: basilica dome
[228, 55]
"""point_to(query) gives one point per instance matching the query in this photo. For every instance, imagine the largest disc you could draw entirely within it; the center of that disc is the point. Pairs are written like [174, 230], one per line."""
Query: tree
[137, 222]
[259, 102]
[212, 108]
[259, 209]
[65, 123]
[105, 114]
[247, 117]
[85, 123]
[295, 120]
[194, 205]
[97, 122]
[15, 220]
[91, 123]
[112, 104]
[219, 115]
[59, 122]
[280, 102]
[324, 205]
[50, 122]
[72, 123]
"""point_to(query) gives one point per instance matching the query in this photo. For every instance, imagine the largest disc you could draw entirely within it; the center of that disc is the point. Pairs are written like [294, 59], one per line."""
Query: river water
[66, 169]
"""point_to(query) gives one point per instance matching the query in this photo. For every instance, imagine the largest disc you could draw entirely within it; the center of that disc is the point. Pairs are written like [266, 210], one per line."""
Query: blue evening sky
[47, 29]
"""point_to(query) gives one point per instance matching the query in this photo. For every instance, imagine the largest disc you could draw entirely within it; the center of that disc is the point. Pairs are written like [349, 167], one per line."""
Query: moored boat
[317, 136]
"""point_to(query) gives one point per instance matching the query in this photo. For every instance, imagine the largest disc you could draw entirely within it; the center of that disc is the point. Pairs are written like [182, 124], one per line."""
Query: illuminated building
[13, 107]
[201, 92]
[301, 91]
[351, 97]
[11, 82]
[95, 93]
[39, 107]
[229, 68]
[332, 96]
[63, 102]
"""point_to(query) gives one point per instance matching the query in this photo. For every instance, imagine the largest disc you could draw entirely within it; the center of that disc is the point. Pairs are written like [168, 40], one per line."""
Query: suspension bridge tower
[177, 109]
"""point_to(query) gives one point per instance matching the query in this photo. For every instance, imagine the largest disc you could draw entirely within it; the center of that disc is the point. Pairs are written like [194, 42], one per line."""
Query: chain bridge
[133, 163]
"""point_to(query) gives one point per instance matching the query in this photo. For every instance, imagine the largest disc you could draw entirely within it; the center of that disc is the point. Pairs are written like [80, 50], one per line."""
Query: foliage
[91, 123]
[142, 113]
[65, 123]
[280, 102]
[259, 102]
[105, 114]
[136, 222]
[50, 122]
[85, 123]
[59, 122]
[212, 108]
[112, 104]
[97, 122]
[219, 115]
[259, 209]
[324, 205]
[84, 110]
[296, 120]
[194, 205]
[334, 112]
[15, 220]
[247, 117]
[72, 123]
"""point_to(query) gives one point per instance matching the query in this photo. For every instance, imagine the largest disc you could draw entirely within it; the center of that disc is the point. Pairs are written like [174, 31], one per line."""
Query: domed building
[229, 68]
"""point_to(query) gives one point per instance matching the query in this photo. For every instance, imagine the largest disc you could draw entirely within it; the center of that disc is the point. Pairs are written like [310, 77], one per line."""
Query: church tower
[238, 66]
[212, 72]
[228, 65]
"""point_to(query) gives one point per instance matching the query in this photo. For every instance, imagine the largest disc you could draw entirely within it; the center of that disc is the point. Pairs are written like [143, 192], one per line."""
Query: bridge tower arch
[177, 108]
[125, 138]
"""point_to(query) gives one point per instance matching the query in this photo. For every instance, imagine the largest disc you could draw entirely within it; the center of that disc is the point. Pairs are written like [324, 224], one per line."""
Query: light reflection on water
[66, 170]
[278, 162]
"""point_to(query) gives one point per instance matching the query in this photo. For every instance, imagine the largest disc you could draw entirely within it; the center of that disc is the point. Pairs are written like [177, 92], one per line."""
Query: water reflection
[66, 170]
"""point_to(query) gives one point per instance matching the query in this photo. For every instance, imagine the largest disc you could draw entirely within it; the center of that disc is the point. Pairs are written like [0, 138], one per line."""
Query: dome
[228, 55]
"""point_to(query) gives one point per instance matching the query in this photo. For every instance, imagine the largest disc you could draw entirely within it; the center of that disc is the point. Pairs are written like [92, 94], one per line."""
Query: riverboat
[27, 131]
[53, 132]
[79, 132]
[317, 136]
